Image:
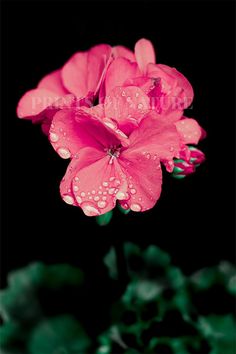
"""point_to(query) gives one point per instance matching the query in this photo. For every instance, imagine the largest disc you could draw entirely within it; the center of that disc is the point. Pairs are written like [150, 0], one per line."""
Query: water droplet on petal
[64, 153]
[133, 191]
[112, 179]
[136, 207]
[105, 184]
[82, 194]
[68, 199]
[121, 195]
[96, 198]
[137, 94]
[89, 209]
[148, 156]
[123, 93]
[102, 204]
[78, 199]
[93, 192]
[111, 191]
[76, 188]
[53, 137]
[104, 198]
[128, 99]
[76, 179]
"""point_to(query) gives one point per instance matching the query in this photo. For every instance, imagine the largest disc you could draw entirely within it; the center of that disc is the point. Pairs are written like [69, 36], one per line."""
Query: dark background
[194, 218]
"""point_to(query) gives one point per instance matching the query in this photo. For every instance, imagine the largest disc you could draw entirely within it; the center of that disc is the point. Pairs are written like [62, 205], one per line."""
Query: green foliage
[158, 312]
[26, 330]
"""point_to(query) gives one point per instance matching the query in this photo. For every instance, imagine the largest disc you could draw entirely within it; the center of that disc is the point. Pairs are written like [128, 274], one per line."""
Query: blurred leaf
[103, 220]
[111, 263]
[24, 285]
[59, 335]
[220, 331]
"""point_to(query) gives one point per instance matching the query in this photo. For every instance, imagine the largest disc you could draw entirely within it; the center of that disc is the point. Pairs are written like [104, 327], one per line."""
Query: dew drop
[76, 179]
[137, 94]
[93, 192]
[89, 209]
[68, 199]
[136, 207]
[102, 204]
[133, 191]
[148, 156]
[53, 137]
[111, 191]
[121, 195]
[78, 199]
[64, 153]
[128, 99]
[105, 184]
[82, 194]
[76, 188]
[96, 198]
[112, 179]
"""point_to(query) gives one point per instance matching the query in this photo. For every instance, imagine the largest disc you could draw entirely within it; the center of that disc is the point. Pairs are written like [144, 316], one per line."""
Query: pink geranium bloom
[166, 87]
[80, 77]
[107, 166]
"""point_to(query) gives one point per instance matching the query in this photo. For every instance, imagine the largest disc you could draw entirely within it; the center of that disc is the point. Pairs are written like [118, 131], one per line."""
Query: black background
[194, 218]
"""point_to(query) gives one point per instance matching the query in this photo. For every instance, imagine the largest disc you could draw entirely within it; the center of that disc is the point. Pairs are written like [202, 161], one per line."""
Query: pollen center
[113, 152]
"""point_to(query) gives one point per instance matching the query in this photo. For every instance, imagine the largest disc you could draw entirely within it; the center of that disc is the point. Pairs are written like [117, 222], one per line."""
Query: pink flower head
[116, 147]
[107, 167]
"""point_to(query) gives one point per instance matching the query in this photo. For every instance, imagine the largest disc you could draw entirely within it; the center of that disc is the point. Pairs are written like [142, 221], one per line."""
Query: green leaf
[103, 220]
[61, 335]
[111, 263]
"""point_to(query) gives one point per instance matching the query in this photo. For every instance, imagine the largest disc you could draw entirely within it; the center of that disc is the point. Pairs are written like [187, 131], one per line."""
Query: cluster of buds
[188, 162]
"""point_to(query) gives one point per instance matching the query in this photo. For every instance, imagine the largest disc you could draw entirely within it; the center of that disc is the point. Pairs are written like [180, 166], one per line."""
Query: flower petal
[72, 130]
[119, 71]
[144, 53]
[144, 175]
[96, 196]
[120, 51]
[176, 83]
[189, 130]
[53, 82]
[82, 72]
[156, 138]
[34, 102]
[126, 105]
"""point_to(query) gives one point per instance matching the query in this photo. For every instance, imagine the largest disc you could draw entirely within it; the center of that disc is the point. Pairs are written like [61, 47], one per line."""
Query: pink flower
[80, 77]
[167, 88]
[106, 166]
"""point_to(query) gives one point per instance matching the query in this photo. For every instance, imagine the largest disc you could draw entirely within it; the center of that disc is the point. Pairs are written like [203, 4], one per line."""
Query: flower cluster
[117, 115]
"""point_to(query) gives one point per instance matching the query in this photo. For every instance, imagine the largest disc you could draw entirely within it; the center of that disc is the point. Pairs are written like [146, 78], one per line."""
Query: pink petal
[120, 51]
[34, 102]
[156, 138]
[98, 195]
[189, 130]
[53, 82]
[183, 89]
[144, 176]
[72, 130]
[119, 71]
[82, 72]
[144, 53]
[98, 113]
[126, 105]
